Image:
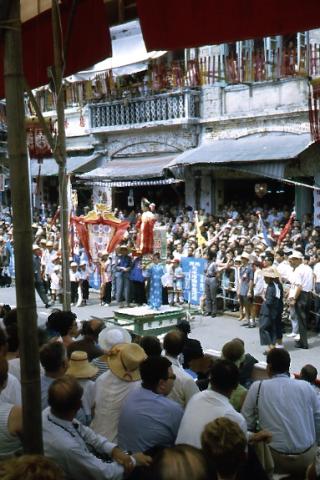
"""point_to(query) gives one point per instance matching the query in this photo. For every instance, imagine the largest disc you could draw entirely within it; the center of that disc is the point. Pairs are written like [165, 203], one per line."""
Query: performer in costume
[145, 227]
[155, 272]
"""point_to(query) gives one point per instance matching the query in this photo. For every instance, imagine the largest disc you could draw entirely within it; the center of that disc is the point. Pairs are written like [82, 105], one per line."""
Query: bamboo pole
[22, 234]
[60, 152]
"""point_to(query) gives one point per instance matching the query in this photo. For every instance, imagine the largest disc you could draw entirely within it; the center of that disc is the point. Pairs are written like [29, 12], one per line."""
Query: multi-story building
[200, 127]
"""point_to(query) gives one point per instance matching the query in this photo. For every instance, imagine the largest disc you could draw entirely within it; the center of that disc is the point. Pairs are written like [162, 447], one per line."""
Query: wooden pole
[22, 235]
[60, 152]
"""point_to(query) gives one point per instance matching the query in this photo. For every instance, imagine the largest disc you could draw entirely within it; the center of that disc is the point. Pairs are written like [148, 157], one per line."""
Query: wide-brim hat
[270, 273]
[36, 247]
[80, 367]
[111, 336]
[245, 255]
[124, 361]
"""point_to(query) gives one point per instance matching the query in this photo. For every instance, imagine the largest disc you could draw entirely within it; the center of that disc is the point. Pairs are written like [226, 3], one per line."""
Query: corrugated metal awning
[273, 170]
[132, 183]
[261, 147]
[79, 164]
[127, 169]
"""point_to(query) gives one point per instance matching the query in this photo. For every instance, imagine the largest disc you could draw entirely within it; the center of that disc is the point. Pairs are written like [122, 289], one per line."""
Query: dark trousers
[302, 308]
[85, 289]
[210, 288]
[138, 292]
[41, 292]
[317, 307]
[267, 330]
[74, 292]
[106, 292]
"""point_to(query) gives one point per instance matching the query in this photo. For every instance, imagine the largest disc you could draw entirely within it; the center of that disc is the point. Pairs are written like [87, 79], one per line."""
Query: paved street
[212, 332]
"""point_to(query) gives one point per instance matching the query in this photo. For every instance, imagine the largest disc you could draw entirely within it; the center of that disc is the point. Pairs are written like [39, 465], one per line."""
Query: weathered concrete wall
[261, 99]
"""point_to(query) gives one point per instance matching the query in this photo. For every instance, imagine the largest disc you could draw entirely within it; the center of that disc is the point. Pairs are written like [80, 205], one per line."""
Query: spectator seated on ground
[64, 325]
[76, 448]
[181, 462]
[290, 410]
[113, 387]
[309, 373]
[246, 368]
[148, 418]
[151, 345]
[90, 331]
[234, 351]
[30, 467]
[80, 368]
[225, 448]
[10, 419]
[53, 359]
[11, 392]
[184, 387]
[108, 338]
[208, 405]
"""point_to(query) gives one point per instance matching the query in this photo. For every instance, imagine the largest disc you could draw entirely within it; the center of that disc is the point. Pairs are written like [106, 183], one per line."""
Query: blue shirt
[288, 408]
[148, 419]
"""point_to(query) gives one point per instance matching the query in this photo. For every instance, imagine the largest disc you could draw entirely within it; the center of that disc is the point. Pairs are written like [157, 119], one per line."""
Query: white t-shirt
[316, 271]
[204, 407]
[259, 285]
[12, 392]
[303, 277]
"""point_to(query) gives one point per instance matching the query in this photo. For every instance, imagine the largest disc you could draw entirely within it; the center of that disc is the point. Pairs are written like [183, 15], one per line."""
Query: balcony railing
[167, 107]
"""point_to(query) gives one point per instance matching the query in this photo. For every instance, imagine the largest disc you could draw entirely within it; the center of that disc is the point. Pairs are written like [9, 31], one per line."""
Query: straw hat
[124, 361]
[111, 336]
[35, 247]
[245, 255]
[270, 272]
[80, 367]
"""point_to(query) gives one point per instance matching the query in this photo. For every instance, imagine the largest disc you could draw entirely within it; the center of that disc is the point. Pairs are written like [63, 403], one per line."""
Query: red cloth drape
[89, 41]
[82, 231]
[286, 229]
[174, 24]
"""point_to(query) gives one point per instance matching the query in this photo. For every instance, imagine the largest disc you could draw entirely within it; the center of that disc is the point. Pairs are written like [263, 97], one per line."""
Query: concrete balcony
[172, 108]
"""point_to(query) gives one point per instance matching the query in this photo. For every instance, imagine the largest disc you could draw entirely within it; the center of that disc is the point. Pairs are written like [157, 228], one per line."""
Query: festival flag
[286, 229]
[201, 240]
[263, 229]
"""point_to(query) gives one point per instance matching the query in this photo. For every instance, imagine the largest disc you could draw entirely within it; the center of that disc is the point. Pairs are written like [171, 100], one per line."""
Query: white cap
[111, 336]
[296, 254]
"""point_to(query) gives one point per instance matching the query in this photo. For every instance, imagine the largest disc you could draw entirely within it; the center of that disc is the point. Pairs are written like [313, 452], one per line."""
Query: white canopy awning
[129, 54]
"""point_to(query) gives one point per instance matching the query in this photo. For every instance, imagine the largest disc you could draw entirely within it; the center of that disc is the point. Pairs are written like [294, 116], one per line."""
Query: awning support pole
[22, 235]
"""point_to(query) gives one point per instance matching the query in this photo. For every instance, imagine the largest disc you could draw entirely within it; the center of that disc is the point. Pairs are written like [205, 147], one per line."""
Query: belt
[211, 276]
[291, 454]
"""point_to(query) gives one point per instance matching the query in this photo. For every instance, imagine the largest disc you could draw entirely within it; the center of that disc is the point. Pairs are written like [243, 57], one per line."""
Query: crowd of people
[256, 259]
[116, 405]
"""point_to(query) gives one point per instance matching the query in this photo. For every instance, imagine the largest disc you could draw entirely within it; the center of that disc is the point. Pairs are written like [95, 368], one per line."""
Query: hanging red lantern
[261, 189]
